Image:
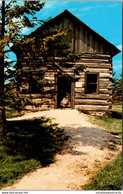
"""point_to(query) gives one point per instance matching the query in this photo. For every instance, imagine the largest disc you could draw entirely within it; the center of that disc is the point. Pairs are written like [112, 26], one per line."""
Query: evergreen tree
[50, 46]
[117, 89]
[13, 18]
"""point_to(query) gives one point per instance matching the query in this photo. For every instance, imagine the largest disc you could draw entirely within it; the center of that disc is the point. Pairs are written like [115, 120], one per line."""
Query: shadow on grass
[35, 139]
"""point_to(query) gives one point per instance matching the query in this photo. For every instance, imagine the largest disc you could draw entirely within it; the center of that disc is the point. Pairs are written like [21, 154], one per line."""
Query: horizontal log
[91, 96]
[104, 80]
[106, 75]
[105, 91]
[43, 100]
[79, 90]
[80, 76]
[93, 64]
[49, 74]
[104, 85]
[31, 95]
[49, 78]
[97, 70]
[92, 107]
[94, 60]
[42, 107]
[37, 96]
[98, 56]
[81, 79]
[90, 102]
[49, 88]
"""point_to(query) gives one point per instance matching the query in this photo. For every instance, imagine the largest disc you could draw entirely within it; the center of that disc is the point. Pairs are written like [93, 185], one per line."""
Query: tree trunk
[2, 109]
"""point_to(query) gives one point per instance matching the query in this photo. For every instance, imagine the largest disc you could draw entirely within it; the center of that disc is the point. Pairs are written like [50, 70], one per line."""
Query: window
[91, 83]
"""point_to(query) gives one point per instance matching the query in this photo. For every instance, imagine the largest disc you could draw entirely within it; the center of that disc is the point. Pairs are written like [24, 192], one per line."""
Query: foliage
[117, 89]
[14, 18]
[48, 46]
[38, 139]
[109, 178]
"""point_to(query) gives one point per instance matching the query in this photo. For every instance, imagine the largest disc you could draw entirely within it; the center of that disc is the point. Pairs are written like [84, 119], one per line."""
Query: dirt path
[74, 167]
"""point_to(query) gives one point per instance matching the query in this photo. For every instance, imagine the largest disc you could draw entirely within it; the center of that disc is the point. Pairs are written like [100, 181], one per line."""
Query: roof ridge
[82, 23]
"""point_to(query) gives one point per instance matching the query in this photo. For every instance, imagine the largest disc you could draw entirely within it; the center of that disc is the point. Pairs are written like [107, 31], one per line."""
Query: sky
[104, 17]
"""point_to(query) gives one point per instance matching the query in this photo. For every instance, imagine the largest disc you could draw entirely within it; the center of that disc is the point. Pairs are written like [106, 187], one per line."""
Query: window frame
[97, 83]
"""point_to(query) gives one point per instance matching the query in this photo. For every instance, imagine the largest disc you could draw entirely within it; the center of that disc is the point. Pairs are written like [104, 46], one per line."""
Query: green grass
[117, 107]
[109, 178]
[113, 125]
[28, 145]
[13, 167]
[11, 113]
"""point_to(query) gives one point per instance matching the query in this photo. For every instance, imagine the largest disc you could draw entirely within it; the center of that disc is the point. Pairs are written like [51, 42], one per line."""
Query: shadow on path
[88, 136]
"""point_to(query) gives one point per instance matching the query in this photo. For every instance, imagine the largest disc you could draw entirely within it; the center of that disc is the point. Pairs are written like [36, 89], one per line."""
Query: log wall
[100, 101]
[103, 99]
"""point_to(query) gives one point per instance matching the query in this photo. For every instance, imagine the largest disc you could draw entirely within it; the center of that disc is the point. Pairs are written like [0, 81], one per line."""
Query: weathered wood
[95, 65]
[56, 93]
[43, 100]
[72, 95]
[99, 70]
[90, 102]
[78, 84]
[104, 85]
[82, 79]
[104, 75]
[96, 55]
[79, 90]
[92, 107]
[104, 80]
[49, 78]
[105, 91]
[94, 60]
[91, 96]
[91, 44]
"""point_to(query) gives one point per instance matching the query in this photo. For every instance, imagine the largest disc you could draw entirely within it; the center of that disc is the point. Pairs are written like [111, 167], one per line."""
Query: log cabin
[93, 90]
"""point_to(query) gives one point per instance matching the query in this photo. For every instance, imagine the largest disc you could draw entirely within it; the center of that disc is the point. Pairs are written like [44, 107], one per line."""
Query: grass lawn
[113, 125]
[29, 144]
[11, 113]
[117, 107]
[110, 177]
[13, 167]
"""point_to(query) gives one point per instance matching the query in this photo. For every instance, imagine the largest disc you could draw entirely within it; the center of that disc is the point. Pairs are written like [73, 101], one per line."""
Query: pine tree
[117, 89]
[51, 46]
[13, 18]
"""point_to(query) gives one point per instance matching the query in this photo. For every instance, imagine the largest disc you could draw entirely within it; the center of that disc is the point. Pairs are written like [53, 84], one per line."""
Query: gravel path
[73, 167]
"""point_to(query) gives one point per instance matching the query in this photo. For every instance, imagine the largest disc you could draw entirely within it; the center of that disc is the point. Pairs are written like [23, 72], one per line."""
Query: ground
[86, 153]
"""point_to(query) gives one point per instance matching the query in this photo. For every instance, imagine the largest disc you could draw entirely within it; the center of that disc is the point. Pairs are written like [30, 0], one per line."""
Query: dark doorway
[64, 92]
